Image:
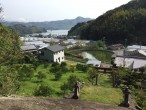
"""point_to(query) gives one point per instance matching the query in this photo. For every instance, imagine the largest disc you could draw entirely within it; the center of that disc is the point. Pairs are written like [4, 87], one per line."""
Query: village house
[133, 58]
[53, 53]
[29, 48]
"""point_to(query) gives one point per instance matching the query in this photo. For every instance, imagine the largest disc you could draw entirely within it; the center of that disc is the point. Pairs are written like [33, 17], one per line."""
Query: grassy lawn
[101, 95]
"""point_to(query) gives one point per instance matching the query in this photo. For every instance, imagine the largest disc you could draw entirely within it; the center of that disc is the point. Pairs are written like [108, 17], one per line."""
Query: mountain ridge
[52, 25]
[124, 24]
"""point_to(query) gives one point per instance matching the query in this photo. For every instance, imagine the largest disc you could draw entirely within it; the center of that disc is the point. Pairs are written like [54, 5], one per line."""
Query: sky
[51, 10]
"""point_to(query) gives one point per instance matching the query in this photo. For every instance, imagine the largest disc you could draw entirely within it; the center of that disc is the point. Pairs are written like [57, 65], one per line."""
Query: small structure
[53, 53]
[126, 96]
[76, 90]
[115, 47]
[94, 63]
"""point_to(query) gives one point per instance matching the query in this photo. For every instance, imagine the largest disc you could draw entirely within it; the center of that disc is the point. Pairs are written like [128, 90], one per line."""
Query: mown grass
[101, 94]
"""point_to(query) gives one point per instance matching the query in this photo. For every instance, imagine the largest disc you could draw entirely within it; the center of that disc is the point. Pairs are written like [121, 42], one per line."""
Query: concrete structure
[133, 63]
[133, 57]
[94, 63]
[53, 53]
[135, 47]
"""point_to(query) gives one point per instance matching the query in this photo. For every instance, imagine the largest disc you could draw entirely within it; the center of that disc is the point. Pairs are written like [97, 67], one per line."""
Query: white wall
[59, 55]
[52, 57]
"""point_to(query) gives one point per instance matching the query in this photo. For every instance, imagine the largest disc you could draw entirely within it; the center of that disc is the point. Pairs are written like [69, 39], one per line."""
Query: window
[62, 57]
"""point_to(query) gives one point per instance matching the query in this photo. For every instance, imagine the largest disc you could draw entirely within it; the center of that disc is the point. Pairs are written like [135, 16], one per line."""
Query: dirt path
[33, 103]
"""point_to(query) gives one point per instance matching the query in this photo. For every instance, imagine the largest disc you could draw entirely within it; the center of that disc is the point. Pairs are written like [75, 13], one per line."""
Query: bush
[71, 80]
[43, 90]
[54, 64]
[63, 64]
[81, 67]
[41, 75]
[58, 75]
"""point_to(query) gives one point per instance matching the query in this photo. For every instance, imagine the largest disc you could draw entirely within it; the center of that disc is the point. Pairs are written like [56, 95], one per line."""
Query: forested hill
[22, 29]
[125, 24]
[52, 25]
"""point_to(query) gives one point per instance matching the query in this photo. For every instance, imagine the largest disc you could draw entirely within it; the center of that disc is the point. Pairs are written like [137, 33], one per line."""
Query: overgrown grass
[101, 94]
[103, 56]
[29, 86]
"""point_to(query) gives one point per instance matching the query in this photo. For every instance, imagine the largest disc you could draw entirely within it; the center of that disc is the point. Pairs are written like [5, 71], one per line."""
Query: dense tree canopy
[126, 23]
[9, 46]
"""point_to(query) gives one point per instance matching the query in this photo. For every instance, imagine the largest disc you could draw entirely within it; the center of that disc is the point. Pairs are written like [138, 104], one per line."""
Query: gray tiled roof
[55, 48]
[28, 47]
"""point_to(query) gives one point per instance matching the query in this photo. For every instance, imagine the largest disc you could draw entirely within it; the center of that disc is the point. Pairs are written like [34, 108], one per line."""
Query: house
[29, 48]
[38, 44]
[133, 57]
[133, 63]
[136, 47]
[53, 53]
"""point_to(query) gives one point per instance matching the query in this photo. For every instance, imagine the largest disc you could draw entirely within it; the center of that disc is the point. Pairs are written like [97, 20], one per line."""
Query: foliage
[9, 46]
[43, 90]
[22, 29]
[8, 80]
[58, 69]
[82, 67]
[102, 95]
[126, 22]
[41, 75]
[101, 44]
[72, 79]
[25, 71]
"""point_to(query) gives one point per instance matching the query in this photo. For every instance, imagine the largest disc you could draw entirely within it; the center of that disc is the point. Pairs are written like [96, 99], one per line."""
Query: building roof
[28, 48]
[55, 48]
[130, 62]
[94, 62]
[70, 41]
[38, 44]
[136, 47]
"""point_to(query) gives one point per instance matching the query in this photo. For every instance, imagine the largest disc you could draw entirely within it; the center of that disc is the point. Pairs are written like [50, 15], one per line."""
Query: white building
[53, 53]
[133, 57]
[135, 47]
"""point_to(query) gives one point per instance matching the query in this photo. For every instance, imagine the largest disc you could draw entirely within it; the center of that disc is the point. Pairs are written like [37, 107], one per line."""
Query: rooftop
[55, 48]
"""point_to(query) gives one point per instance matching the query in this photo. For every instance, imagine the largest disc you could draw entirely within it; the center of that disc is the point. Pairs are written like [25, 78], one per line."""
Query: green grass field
[102, 93]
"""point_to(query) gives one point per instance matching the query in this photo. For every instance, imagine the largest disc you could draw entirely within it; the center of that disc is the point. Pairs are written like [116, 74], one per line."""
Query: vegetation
[22, 29]
[52, 25]
[102, 95]
[125, 24]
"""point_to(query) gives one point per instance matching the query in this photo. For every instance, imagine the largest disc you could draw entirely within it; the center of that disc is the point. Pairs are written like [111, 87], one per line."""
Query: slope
[125, 24]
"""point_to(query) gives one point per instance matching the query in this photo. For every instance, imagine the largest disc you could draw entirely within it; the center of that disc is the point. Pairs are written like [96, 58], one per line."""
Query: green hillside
[125, 24]
[22, 29]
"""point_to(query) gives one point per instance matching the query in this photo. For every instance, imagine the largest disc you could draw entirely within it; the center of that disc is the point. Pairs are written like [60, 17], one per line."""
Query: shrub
[54, 64]
[43, 90]
[63, 64]
[58, 75]
[81, 67]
